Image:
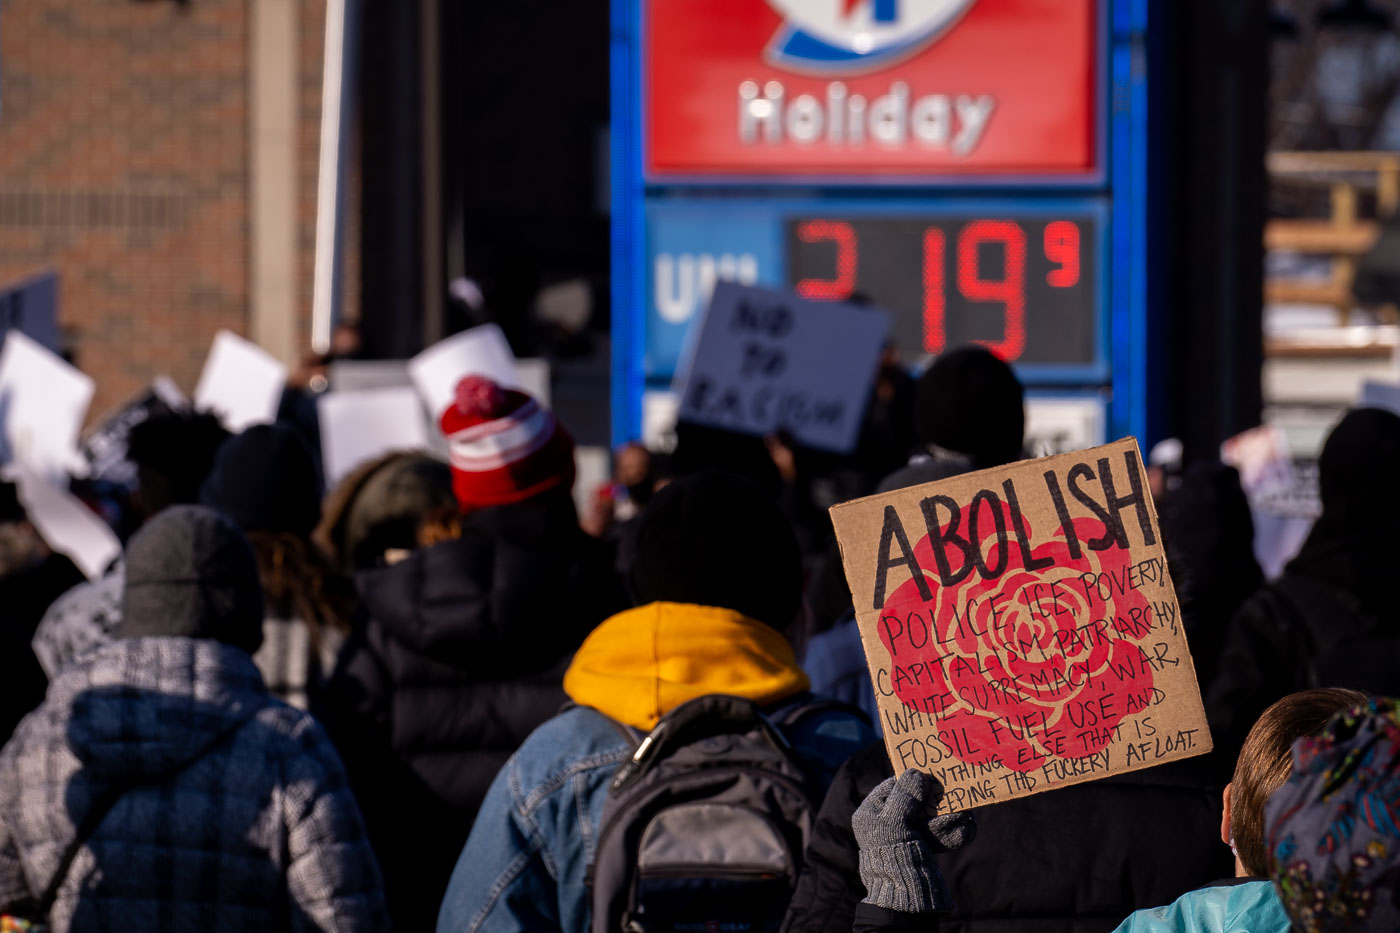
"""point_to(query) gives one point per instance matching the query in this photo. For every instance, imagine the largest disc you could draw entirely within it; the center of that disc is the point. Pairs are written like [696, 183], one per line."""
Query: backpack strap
[103, 806]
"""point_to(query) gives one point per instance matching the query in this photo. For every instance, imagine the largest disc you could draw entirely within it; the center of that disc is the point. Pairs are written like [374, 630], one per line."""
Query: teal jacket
[1246, 906]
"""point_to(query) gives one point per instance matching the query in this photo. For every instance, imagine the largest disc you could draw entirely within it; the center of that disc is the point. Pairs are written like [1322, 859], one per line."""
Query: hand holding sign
[1020, 626]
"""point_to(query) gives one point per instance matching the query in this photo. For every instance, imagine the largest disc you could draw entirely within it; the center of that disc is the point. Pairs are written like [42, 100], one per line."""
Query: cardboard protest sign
[482, 350]
[1021, 630]
[358, 426]
[241, 382]
[43, 401]
[765, 361]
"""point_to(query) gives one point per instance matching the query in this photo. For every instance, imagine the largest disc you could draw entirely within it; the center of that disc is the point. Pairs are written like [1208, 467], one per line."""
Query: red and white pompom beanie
[504, 446]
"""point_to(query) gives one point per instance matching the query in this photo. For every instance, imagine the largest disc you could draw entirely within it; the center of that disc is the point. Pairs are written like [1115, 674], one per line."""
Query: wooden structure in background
[1345, 236]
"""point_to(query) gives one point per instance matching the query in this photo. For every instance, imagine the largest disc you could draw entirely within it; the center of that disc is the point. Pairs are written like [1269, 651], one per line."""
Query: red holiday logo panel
[889, 88]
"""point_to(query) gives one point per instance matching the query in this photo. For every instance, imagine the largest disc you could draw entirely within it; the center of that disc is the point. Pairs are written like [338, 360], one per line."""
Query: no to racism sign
[765, 361]
[1020, 625]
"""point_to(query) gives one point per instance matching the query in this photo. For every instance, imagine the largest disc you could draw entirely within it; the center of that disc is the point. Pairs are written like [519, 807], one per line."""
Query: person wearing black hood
[161, 787]
[1331, 619]
[970, 415]
[463, 651]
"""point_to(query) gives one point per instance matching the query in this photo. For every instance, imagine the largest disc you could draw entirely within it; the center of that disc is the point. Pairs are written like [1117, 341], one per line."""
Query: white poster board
[43, 401]
[766, 361]
[358, 426]
[241, 382]
[66, 524]
[532, 378]
[482, 350]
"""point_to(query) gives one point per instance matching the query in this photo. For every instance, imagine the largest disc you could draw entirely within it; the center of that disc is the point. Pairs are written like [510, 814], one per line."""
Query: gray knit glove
[899, 835]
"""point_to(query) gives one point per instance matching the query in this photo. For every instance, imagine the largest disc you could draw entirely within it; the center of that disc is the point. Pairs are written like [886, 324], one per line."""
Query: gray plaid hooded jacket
[238, 816]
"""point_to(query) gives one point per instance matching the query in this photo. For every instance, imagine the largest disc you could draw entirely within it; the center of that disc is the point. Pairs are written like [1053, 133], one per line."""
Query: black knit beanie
[266, 480]
[715, 539]
[971, 403]
[190, 572]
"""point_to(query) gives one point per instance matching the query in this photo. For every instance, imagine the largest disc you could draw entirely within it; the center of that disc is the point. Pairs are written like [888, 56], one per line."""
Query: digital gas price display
[1027, 287]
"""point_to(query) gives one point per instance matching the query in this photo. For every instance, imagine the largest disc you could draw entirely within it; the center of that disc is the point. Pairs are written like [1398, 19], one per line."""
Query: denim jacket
[524, 865]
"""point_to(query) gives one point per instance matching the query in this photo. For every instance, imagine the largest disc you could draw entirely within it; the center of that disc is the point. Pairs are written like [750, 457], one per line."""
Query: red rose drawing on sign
[1024, 666]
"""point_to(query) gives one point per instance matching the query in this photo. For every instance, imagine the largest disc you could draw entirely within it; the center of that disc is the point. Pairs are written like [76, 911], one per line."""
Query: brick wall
[124, 152]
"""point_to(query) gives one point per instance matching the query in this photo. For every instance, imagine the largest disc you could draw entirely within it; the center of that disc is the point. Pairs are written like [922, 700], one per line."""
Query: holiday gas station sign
[973, 167]
[857, 87]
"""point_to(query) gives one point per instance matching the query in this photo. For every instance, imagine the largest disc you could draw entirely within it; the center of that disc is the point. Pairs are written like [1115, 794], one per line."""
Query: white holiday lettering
[892, 120]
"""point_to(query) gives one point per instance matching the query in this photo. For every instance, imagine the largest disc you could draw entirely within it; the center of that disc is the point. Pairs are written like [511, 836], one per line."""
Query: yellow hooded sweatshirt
[641, 664]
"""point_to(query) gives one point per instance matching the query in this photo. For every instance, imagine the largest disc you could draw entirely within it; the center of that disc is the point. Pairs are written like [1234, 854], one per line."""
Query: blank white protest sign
[241, 382]
[360, 425]
[43, 401]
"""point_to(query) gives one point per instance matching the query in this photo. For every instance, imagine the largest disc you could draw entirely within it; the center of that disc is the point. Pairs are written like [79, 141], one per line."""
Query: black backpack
[705, 826]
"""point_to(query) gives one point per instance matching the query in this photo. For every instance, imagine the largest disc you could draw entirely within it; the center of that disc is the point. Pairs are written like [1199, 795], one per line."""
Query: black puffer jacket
[1074, 860]
[461, 657]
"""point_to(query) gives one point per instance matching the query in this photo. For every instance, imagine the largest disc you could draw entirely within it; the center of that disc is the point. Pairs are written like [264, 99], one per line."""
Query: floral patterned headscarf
[1332, 829]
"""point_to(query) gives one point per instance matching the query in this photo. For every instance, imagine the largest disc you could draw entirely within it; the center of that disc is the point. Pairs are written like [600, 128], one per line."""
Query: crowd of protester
[438, 696]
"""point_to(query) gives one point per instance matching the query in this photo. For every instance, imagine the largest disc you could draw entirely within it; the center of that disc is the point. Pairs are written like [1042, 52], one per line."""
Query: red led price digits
[839, 232]
[1010, 289]
[935, 331]
[1062, 248]
[1007, 288]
